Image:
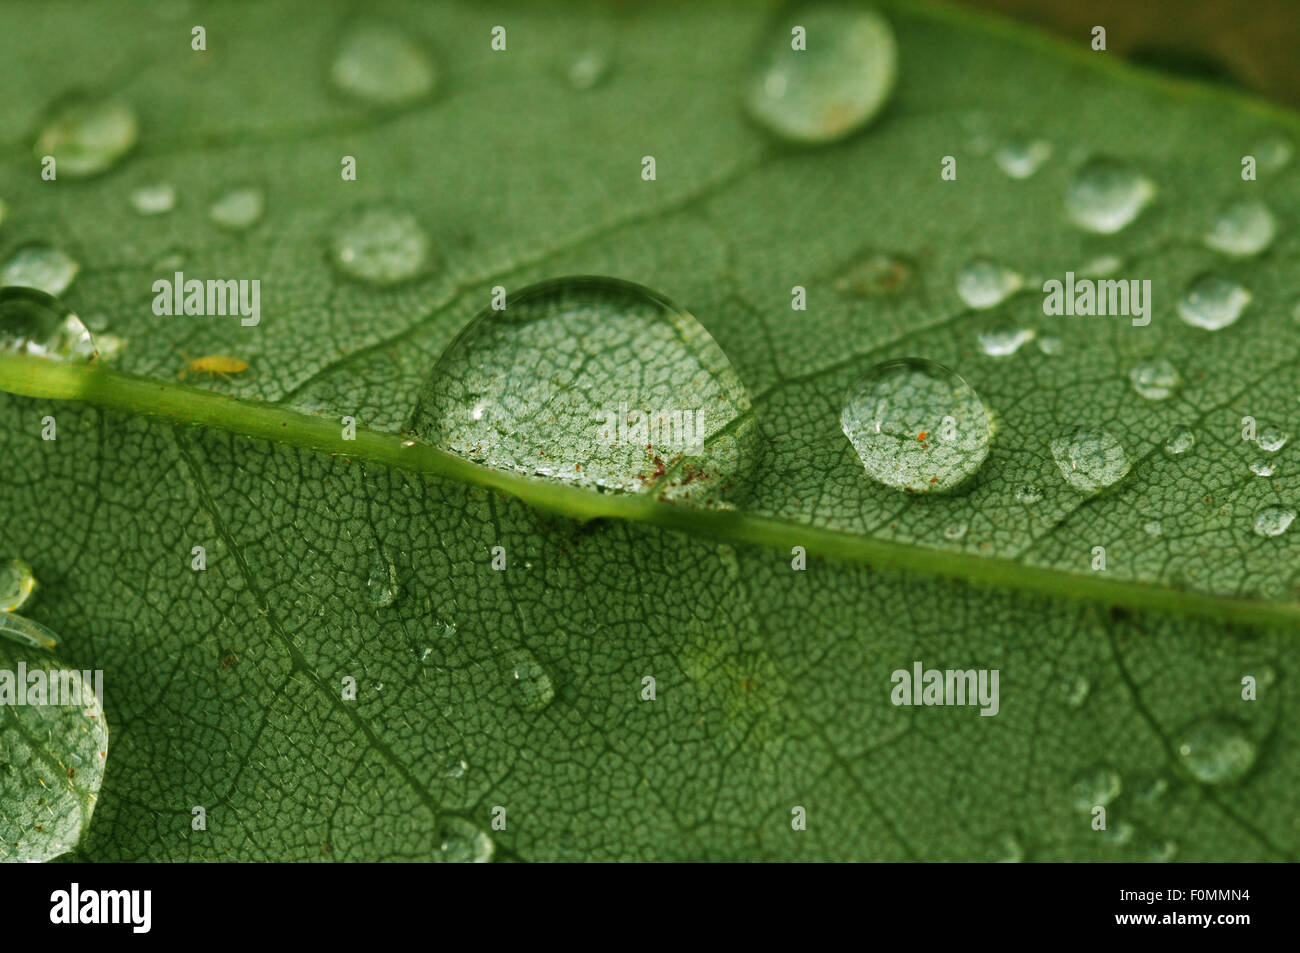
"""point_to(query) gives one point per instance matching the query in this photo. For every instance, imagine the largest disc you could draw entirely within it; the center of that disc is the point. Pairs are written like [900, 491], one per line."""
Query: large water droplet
[1179, 442]
[1271, 439]
[1105, 195]
[1155, 380]
[1216, 751]
[982, 283]
[40, 266]
[1242, 229]
[1090, 460]
[1096, 787]
[917, 426]
[597, 382]
[1021, 158]
[1003, 342]
[154, 199]
[238, 209]
[380, 245]
[530, 685]
[39, 325]
[87, 135]
[835, 86]
[379, 64]
[460, 842]
[1273, 521]
[17, 583]
[1213, 302]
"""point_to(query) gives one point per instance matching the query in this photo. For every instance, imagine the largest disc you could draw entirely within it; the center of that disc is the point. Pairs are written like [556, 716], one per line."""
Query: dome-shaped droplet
[1216, 751]
[1244, 228]
[1213, 302]
[39, 325]
[238, 209]
[380, 64]
[835, 86]
[1051, 345]
[1272, 153]
[917, 426]
[1271, 439]
[1105, 195]
[17, 583]
[87, 135]
[1021, 158]
[954, 531]
[460, 842]
[1153, 528]
[156, 198]
[1028, 493]
[1273, 521]
[42, 267]
[1077, 691]
[1090, 460]
[1261, 468]
[1003, 342]
[381, 584]
[1155, 380]
[1096, 787]
[597, 382]
[982, 283]
[530, 685]
[1179, 442]
[380, 245]
[588, 69]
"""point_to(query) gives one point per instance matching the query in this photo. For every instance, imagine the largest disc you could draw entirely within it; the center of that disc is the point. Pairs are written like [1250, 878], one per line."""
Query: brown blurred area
[1253, 46]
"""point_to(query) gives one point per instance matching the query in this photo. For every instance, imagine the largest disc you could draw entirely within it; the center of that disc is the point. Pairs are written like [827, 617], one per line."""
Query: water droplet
[1261, 468]
[917, 426]
[1179, 442]
[878, 274]
[40, 266]
[1103, 267]
[17, 583]
[1162, 852]
[379, 64]
[954, 531]
[1155, 380]
[1078, 691]
[1272, 153]
[238, 209]
[154, 199]
[1003, 341]
[380, 245]
[596, 382]
[37, 324]
[1215, 751]
[588, 69]
[1242, 229]
[530, 685]
[87, 136]
[1028, 493]
[1153, 528]
[1273, 521]
[1096, 787]
[455, 768]
[1090, 460]
[1050, 345]
[1117, 834]
[1007, 850]
[1213, 302]
[982, 283]
[1105, 195]
[1271, 440]
[1020, 159]
[460, 842]
[834, 87]
[382, 582]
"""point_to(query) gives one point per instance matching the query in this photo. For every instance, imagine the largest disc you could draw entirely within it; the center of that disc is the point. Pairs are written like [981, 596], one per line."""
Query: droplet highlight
[37, 324]
[984, 284]
[1213, 302]
[1106, 195]
[42, 267]
[380, 245]
[379, 64]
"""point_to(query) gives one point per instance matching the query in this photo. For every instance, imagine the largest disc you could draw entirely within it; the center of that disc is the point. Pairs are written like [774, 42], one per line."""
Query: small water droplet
[1213, 302]
[382, 582]
[1105, 195]
[954, 531]
[1271, 440]
[877, 274]
[1021, 158]
[1090, 460]
[1077, 692]
[596, 382]
[1028, 493]
[1215, 751]
[42, 267]
[530, 685]
[455, 768]
[1050, 345]
[1242, 229]
[590, 67]
[1179, 442]
[460, 842]
[1261, 469]
[87, 135]
[1003, 342]
[1102, 267]
[1273, 521]
[380, 245]
[1162, 852]
[834, 87]
[983, 283]
[17, 583]
[1272, 153]
[1155, 380]
[917, 426]
[238, 209]
[1096, 787]
[154, 199]
[1153, 528]
[37, 324]
[1007, 850]
[380, 64]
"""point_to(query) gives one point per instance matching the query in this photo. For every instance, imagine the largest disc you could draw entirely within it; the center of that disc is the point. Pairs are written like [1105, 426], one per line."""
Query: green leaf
[522, 688]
